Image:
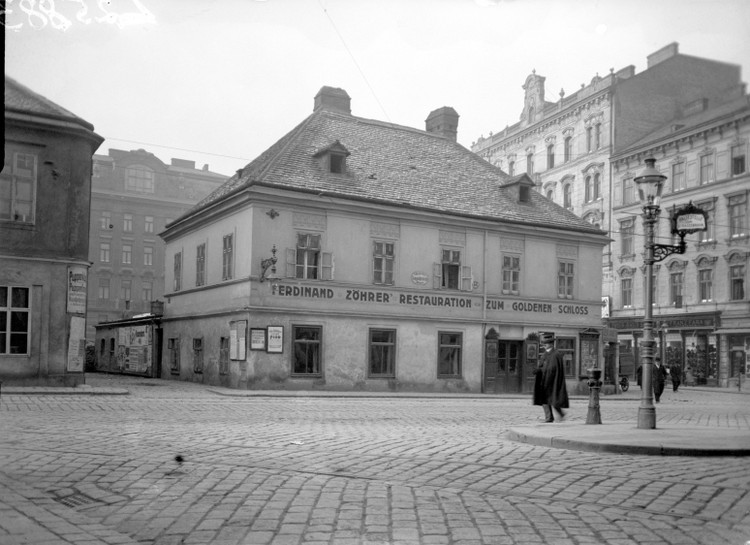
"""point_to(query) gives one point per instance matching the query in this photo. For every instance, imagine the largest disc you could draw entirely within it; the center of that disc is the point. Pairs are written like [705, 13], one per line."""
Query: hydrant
[594, 416]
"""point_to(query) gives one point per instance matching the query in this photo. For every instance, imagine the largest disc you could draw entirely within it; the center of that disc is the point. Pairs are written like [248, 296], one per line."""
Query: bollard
[594, 416]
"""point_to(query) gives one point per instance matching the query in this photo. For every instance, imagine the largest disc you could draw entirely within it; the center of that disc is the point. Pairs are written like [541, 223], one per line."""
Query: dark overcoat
[549, 383]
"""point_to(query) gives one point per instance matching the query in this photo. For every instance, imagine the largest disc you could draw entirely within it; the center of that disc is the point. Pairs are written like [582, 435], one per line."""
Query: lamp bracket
[268, 263]
[663, 251]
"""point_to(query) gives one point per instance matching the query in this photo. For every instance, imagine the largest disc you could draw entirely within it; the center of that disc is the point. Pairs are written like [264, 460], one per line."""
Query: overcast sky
[219, 81]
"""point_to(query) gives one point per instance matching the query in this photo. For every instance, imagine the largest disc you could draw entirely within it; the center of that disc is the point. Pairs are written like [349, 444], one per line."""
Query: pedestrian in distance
[676, 373]
[639, 376]
[550, 390]
[659, 378]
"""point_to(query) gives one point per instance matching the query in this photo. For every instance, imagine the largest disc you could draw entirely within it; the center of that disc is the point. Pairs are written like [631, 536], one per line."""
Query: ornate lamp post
[689, 219]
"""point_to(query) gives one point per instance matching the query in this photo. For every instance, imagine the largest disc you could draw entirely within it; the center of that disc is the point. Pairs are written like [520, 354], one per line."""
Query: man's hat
[545, 338]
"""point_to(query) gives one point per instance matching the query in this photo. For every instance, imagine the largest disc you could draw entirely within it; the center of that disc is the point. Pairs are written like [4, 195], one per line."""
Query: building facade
[45, 189]
[134, 195]
[358, 254]
[701, 304]
[566, 145]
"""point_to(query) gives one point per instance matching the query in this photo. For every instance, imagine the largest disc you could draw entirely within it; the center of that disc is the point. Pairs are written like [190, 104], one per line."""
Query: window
[551, 156]
[627, 232]
[567, 200]
[227, 257]
[173, 348]
[589, 141]
[139, 179]
[626, 292]
[382, 353]
[127, 254]
[511, 167]
[737, 282]
[127, 223]
[450, 346]
[738, 159]
[708, 234]
[511, 274]
[737, 216]
[307, 261]
[568, 148]
[550, 194]
[177, 271]
[337, 162]
[597, 136]
[530, 164]
[15, 306]
[449, 274]
[200, 265]
[125, 292]
[565, 279]
[597, 185]
[148, 256]
[147, 291]
[679, 180]
[306, 350]
[382, 258]
[104, 288]
[707, 168]
[567, 348]
[105, 221]
[18, 187]
[148, 224]
[104, 252]
[675, 289]
[628, 192]
[198, 355]
[589, 188]
[705, 284]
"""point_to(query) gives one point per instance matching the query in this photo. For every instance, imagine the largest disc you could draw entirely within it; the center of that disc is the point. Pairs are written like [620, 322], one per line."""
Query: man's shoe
[549, 421]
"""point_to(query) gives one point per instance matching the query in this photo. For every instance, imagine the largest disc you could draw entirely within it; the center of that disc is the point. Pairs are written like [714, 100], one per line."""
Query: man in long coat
[550, 390]
[659, 378]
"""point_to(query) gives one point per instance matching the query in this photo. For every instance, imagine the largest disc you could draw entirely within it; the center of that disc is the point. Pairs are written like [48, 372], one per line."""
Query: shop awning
[728, 331]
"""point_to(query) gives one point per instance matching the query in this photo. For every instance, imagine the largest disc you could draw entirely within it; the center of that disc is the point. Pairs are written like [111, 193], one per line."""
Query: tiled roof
[395, 165]
[20, 98]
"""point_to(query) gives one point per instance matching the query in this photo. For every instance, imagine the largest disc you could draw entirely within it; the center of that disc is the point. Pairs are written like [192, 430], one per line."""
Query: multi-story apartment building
[45, 190]
[701, 304]
[134, 196]
[359, 254]
[566, 146]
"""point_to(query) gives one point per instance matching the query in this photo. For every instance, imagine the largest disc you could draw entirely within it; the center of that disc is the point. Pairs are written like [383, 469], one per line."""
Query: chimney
[443, 121]
[666, 52]
[333, 99]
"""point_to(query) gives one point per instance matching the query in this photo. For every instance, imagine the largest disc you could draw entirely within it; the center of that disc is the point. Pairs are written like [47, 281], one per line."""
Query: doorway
[502, 365]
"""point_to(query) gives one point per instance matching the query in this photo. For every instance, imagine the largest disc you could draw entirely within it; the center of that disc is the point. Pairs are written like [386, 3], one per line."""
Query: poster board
[275, 339]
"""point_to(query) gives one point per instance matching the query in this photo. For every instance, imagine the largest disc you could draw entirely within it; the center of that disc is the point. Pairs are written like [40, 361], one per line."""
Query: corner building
[356, 254]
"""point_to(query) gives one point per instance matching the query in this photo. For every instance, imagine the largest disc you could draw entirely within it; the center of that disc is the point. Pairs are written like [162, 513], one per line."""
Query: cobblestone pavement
[350, 471]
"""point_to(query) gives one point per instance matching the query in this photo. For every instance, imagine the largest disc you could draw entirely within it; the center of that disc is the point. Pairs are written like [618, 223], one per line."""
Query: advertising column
[76, 316]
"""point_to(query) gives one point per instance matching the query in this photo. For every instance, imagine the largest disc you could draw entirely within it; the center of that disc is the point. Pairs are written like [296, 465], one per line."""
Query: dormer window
[524, 193]
[333, 157]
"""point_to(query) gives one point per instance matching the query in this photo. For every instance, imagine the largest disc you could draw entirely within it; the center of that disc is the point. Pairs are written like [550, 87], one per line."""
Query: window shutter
[437, 275]
[291, 262]
[327, 266]
[466, 278]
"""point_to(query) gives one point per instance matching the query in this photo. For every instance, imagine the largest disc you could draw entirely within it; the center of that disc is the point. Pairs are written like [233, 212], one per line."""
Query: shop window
[567, 348]
[511, 274]
[15, 322]
[565, 279]
[450, 348]
[382, 362]
[738, 159]
[227, 264]
[307, 261]
[200, 264]
[224, 356]
[306, 350]
[173, 351]
[382, 258]
[18, 187]
[198, 355]
[450, 274]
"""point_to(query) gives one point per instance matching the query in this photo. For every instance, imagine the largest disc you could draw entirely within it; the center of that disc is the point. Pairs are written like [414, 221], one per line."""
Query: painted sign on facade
[77, 290]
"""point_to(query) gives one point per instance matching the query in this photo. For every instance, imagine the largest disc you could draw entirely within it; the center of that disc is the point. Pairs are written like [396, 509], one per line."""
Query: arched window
[589, 189]
[511, 167]
[567, 196]
[568, 148]
[550, 195]
[551, 156]
[597, 186]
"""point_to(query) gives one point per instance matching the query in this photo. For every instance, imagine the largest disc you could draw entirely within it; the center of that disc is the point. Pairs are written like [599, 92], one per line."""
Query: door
[509, 362]
[490, 365]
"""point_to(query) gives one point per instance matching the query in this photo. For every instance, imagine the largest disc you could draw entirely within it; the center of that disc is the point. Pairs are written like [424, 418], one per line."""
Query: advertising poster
[77, 289]
[275, 339]
[76, 344]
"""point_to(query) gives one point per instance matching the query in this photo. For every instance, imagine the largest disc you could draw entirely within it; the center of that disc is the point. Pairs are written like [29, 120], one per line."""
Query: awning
[745, 330]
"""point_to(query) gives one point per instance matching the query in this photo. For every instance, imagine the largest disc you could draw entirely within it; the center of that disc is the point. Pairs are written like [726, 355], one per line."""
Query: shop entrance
[502, 365]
